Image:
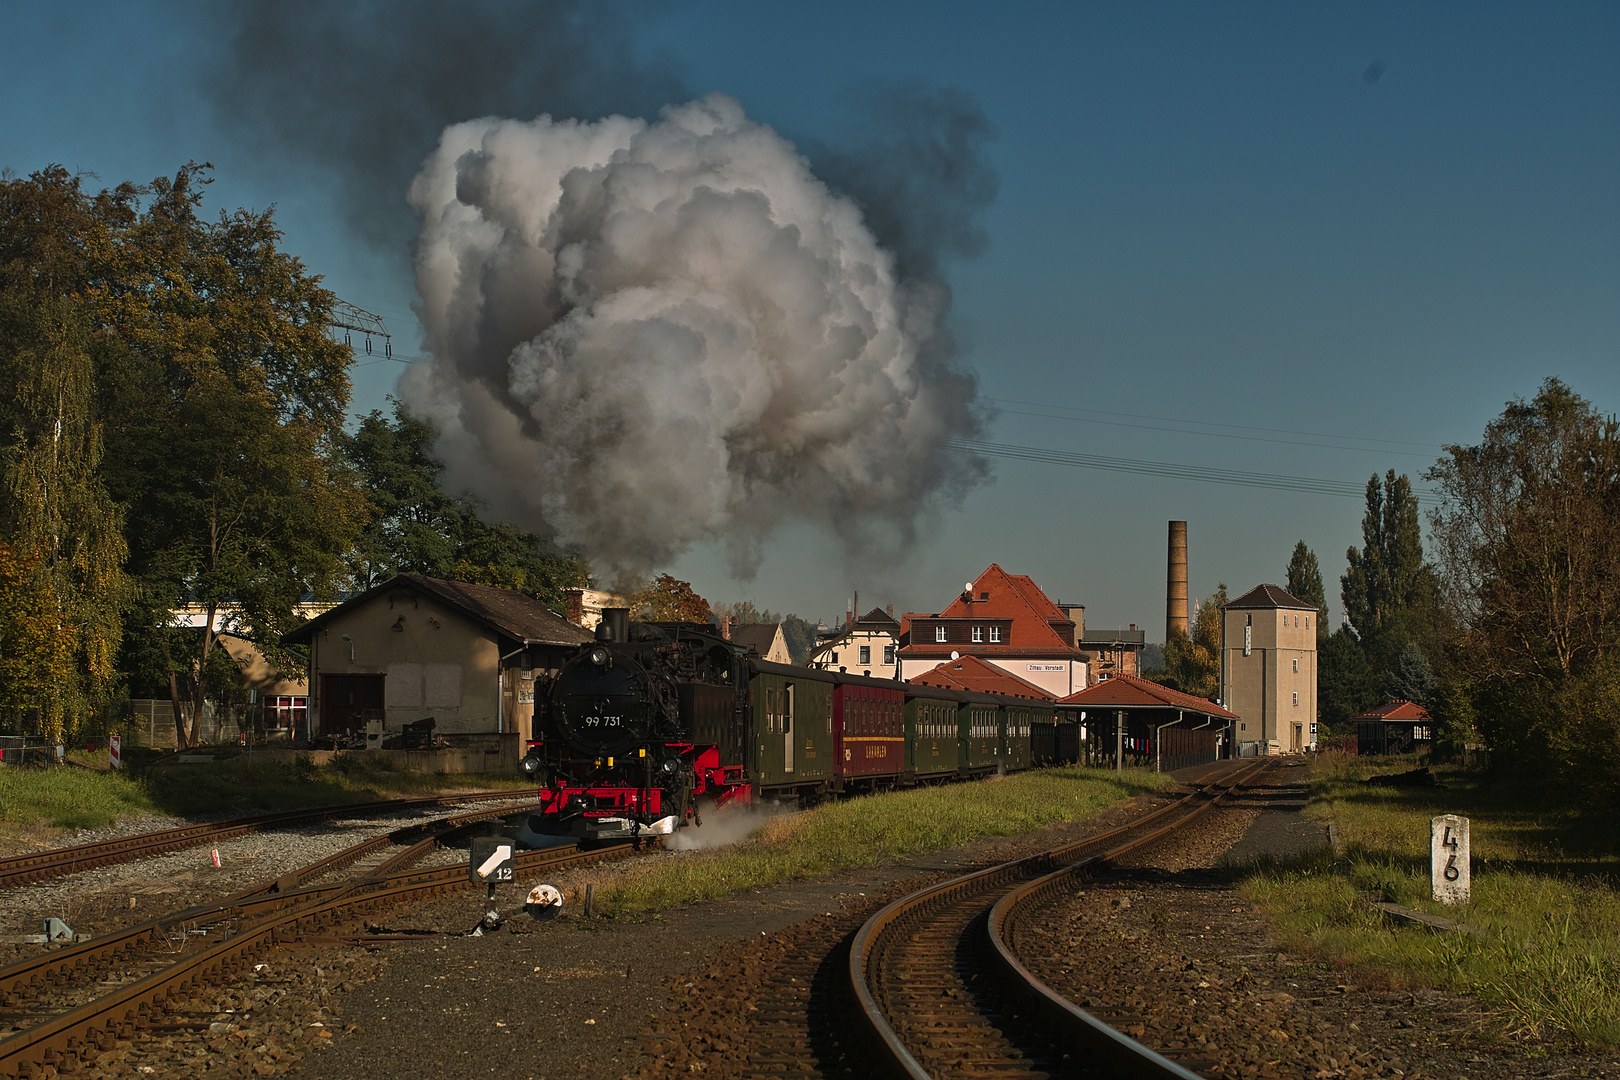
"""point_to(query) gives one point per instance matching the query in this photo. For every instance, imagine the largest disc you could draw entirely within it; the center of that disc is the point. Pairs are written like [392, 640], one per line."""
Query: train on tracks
[653, 723]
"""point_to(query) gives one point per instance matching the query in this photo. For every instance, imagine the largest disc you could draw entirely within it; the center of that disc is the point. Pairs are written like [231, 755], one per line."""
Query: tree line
[1505, 626]
[1508, 629]
[172, 434]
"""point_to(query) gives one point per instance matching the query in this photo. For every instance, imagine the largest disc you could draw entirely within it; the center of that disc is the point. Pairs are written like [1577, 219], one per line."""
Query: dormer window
[984, 596]
[995, 633]
[978, 635]
[939, 633]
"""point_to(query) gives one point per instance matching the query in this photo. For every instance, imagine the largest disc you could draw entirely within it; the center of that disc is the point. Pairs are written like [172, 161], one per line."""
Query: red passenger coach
[869, 732]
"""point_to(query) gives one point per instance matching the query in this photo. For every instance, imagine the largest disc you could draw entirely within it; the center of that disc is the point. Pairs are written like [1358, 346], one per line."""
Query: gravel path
[108, 897]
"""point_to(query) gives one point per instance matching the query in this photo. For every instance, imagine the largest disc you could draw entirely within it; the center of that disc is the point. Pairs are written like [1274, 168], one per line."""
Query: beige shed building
[1268, 670]
[417, 647]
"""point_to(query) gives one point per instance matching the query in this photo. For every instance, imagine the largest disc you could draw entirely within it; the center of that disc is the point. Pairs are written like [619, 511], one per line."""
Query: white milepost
[1448, 859]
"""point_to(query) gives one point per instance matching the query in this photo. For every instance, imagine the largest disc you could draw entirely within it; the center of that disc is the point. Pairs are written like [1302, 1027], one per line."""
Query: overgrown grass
[1543, 894]
[71, 797]
[874, 830]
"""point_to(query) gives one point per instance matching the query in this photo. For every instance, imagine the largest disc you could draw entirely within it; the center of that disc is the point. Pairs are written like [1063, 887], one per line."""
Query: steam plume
[645, 335]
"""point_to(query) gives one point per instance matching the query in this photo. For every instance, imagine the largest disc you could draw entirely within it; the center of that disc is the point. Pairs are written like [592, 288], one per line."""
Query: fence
[150, 722]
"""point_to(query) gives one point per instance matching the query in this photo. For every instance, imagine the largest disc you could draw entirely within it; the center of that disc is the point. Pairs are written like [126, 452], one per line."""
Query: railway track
[56, 862]
[164, 958]
[938, 984]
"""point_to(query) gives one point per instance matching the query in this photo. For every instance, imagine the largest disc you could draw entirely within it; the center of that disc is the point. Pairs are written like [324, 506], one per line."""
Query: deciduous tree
[223, 405]
[413, 525]
[1193, 664]
[62, 585]
[1529, 545]
[667, 599]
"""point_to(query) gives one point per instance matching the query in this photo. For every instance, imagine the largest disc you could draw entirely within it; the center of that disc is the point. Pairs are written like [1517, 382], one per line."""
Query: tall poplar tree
[1389, 591]
[1304, 582]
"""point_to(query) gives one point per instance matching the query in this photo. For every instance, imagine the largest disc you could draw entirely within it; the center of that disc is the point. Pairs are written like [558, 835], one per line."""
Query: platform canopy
[1132, 694]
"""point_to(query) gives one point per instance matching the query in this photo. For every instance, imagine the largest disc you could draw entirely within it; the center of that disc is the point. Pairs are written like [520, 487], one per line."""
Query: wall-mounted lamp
[350, 640]
[399, 625]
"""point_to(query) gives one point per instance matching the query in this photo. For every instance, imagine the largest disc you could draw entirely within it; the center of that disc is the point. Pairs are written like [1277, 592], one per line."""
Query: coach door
[787, 728]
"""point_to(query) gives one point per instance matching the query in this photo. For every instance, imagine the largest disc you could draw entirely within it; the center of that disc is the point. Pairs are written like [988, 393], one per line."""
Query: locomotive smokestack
[617, 620]
[1175, 605]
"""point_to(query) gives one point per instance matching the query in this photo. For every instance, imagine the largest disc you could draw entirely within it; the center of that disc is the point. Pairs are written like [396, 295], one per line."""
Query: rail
[56, 862]
[78, 1032]
[879, 933]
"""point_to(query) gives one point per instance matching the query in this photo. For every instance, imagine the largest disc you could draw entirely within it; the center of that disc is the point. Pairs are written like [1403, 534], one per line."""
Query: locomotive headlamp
[531, 766]
[669, 766]
[599, 656]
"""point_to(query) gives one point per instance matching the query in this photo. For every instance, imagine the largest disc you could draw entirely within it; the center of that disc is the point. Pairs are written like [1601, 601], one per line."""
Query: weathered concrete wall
[435, 661]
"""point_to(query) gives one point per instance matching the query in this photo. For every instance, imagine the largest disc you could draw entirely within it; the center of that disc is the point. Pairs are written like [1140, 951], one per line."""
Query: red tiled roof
[980, 676]
[1125, 691]
[1399, 709]
[1013, 597]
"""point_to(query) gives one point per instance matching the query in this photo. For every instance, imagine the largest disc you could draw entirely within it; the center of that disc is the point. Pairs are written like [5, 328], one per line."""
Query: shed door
[348, 701]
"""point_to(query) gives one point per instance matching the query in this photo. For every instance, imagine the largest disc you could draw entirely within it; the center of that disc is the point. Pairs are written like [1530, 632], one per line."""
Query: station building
[1005, 620]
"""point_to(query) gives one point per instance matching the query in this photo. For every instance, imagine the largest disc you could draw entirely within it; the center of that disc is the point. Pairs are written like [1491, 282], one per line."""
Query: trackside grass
[873, 830]
[69, 798]
[1543, 894]
[78, 797]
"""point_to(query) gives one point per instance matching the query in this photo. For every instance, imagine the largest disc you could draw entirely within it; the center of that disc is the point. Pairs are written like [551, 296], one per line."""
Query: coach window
[939, 633]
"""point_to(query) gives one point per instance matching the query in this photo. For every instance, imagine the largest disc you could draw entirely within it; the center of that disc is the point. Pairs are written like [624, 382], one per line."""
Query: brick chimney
[575, 606]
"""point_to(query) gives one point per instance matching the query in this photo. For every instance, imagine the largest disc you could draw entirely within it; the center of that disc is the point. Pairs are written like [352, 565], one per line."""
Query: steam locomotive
[652, 724]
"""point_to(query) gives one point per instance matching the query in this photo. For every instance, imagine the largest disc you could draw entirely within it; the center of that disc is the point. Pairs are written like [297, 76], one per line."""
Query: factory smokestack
[1175, 606]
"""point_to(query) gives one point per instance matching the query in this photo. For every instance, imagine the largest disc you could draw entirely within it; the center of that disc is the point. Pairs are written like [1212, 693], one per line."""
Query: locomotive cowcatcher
[638, 727]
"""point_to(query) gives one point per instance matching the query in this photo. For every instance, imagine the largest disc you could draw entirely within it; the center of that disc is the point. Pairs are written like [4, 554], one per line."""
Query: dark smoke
[917, 168]
[364, 89]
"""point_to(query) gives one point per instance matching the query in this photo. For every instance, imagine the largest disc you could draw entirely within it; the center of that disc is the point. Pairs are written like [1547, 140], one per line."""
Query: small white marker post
[1448, 859]
[114, 748]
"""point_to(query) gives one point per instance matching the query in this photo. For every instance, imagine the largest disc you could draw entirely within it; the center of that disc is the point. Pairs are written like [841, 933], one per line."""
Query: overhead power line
[1212, 434]
[1172, 470]
[1213, 423]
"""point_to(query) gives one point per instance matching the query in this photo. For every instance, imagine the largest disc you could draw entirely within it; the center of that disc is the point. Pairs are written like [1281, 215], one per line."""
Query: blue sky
[1208, 215]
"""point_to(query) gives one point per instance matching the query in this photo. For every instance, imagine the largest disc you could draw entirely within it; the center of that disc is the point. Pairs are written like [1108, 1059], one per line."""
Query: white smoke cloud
[647, 335]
